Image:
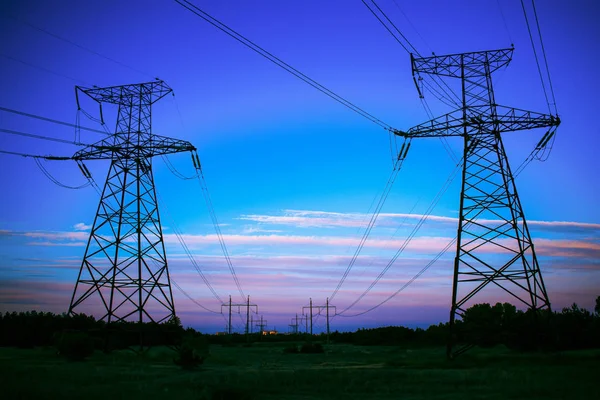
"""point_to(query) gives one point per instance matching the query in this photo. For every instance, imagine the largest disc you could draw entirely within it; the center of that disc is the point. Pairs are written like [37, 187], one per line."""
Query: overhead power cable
[537, 61]
[277, 61]
[411, 24]
[409, 48]
[44, 69]
[217, 227]
[31, 135]
[186, 294]
[407, 284]
[412, 234]
[187, 251]
[384, 195]
[412, 49]
[28, 155]
[537, 22]
[174, 170]
[504, 20]
[56, 181]
[445, 94]
[212, 215]
[54, 35]
[54, 121]
[418, 274]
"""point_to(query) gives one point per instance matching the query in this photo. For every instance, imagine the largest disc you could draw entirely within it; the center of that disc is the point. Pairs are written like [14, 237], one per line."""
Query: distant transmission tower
[125, 268]
[493, 242]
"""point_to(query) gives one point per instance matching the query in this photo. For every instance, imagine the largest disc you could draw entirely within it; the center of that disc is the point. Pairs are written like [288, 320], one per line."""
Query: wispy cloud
[82, 227]
[54, 235]
[56, 244]
[327, 219]
[253, 229]
[587, 248]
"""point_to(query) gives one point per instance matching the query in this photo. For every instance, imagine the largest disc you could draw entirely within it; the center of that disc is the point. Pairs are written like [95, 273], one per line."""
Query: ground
[263, 371]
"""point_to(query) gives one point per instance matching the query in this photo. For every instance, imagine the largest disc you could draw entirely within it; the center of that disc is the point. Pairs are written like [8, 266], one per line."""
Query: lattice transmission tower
[124, 269]
[494, 245]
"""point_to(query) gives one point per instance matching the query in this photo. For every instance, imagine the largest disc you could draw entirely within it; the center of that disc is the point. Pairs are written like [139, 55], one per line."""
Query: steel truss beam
[494, 245]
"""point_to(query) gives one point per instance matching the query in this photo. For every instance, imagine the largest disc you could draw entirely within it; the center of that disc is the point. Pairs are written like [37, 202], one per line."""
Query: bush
[311, 348]
[292, 349]
[75, 345]
[192, 352]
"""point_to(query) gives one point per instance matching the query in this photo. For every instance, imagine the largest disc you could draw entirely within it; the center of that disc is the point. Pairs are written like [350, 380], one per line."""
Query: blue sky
[292, 174]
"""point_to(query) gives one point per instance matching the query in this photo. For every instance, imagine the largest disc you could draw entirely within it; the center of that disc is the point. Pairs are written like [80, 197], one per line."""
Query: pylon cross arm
[481, 119]
[119, 145]
[129, 95]
[469, 64]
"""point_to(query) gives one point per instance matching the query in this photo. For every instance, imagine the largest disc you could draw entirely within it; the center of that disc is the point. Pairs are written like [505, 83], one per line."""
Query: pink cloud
[567, 248]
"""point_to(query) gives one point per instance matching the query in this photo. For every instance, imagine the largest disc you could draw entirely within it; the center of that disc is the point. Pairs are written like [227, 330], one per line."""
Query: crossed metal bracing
[494, 245]
[124, 271]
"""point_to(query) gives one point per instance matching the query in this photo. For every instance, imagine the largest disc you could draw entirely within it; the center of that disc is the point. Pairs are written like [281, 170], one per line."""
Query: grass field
[264, 372]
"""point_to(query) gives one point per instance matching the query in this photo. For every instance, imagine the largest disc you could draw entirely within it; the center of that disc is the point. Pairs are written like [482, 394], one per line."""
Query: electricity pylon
[311, 307]
[124, 269]
[298, 321]
[260, 324]
[238, 305]
[493, 242]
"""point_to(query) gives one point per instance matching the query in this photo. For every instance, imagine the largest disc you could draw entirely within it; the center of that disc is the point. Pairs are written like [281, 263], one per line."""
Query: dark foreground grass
[265, 372]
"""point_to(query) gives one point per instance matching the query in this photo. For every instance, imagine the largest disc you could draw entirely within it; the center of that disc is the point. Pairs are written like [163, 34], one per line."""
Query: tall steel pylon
[494, 245]
[124, 271]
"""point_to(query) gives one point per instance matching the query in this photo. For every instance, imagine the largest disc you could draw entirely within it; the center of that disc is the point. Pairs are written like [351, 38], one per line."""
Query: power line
[217, 227]
[43, 69]
[14, 153]
[387, 28]
[537, 22]
[186, 294]
[38, 162]
[277, 61]
[407, 284]
[200, 176]
[54, 121]
[412, 234]
[31, 135]
[54, 35]
[424, 269]
[411, 24]
[414, 49]
[504, 20]
[445, 96]
[187, 251]
[384, 195]
[537, 61]
[175, 172]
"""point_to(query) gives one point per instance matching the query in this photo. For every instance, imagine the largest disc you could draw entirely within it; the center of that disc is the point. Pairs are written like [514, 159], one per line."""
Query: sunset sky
[292, 173]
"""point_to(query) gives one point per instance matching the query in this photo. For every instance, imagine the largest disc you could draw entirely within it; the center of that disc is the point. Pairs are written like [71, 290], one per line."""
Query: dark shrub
[311, 348]
[75, 345]
[192, 352]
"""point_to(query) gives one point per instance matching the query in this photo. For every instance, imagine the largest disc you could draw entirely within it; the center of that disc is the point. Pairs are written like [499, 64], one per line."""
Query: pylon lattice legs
[124, 273]
[494, 245]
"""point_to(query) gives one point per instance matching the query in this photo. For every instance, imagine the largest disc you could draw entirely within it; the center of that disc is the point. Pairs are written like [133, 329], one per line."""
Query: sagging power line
[279, 62]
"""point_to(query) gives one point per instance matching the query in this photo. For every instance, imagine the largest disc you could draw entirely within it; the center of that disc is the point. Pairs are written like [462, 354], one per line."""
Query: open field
[263, 371]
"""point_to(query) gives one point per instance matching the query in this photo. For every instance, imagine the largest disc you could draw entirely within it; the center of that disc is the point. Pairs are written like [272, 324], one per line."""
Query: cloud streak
[326, 219]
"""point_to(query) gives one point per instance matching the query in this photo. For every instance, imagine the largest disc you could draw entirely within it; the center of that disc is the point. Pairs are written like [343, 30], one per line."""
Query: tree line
[488, 325]
[484, 325]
